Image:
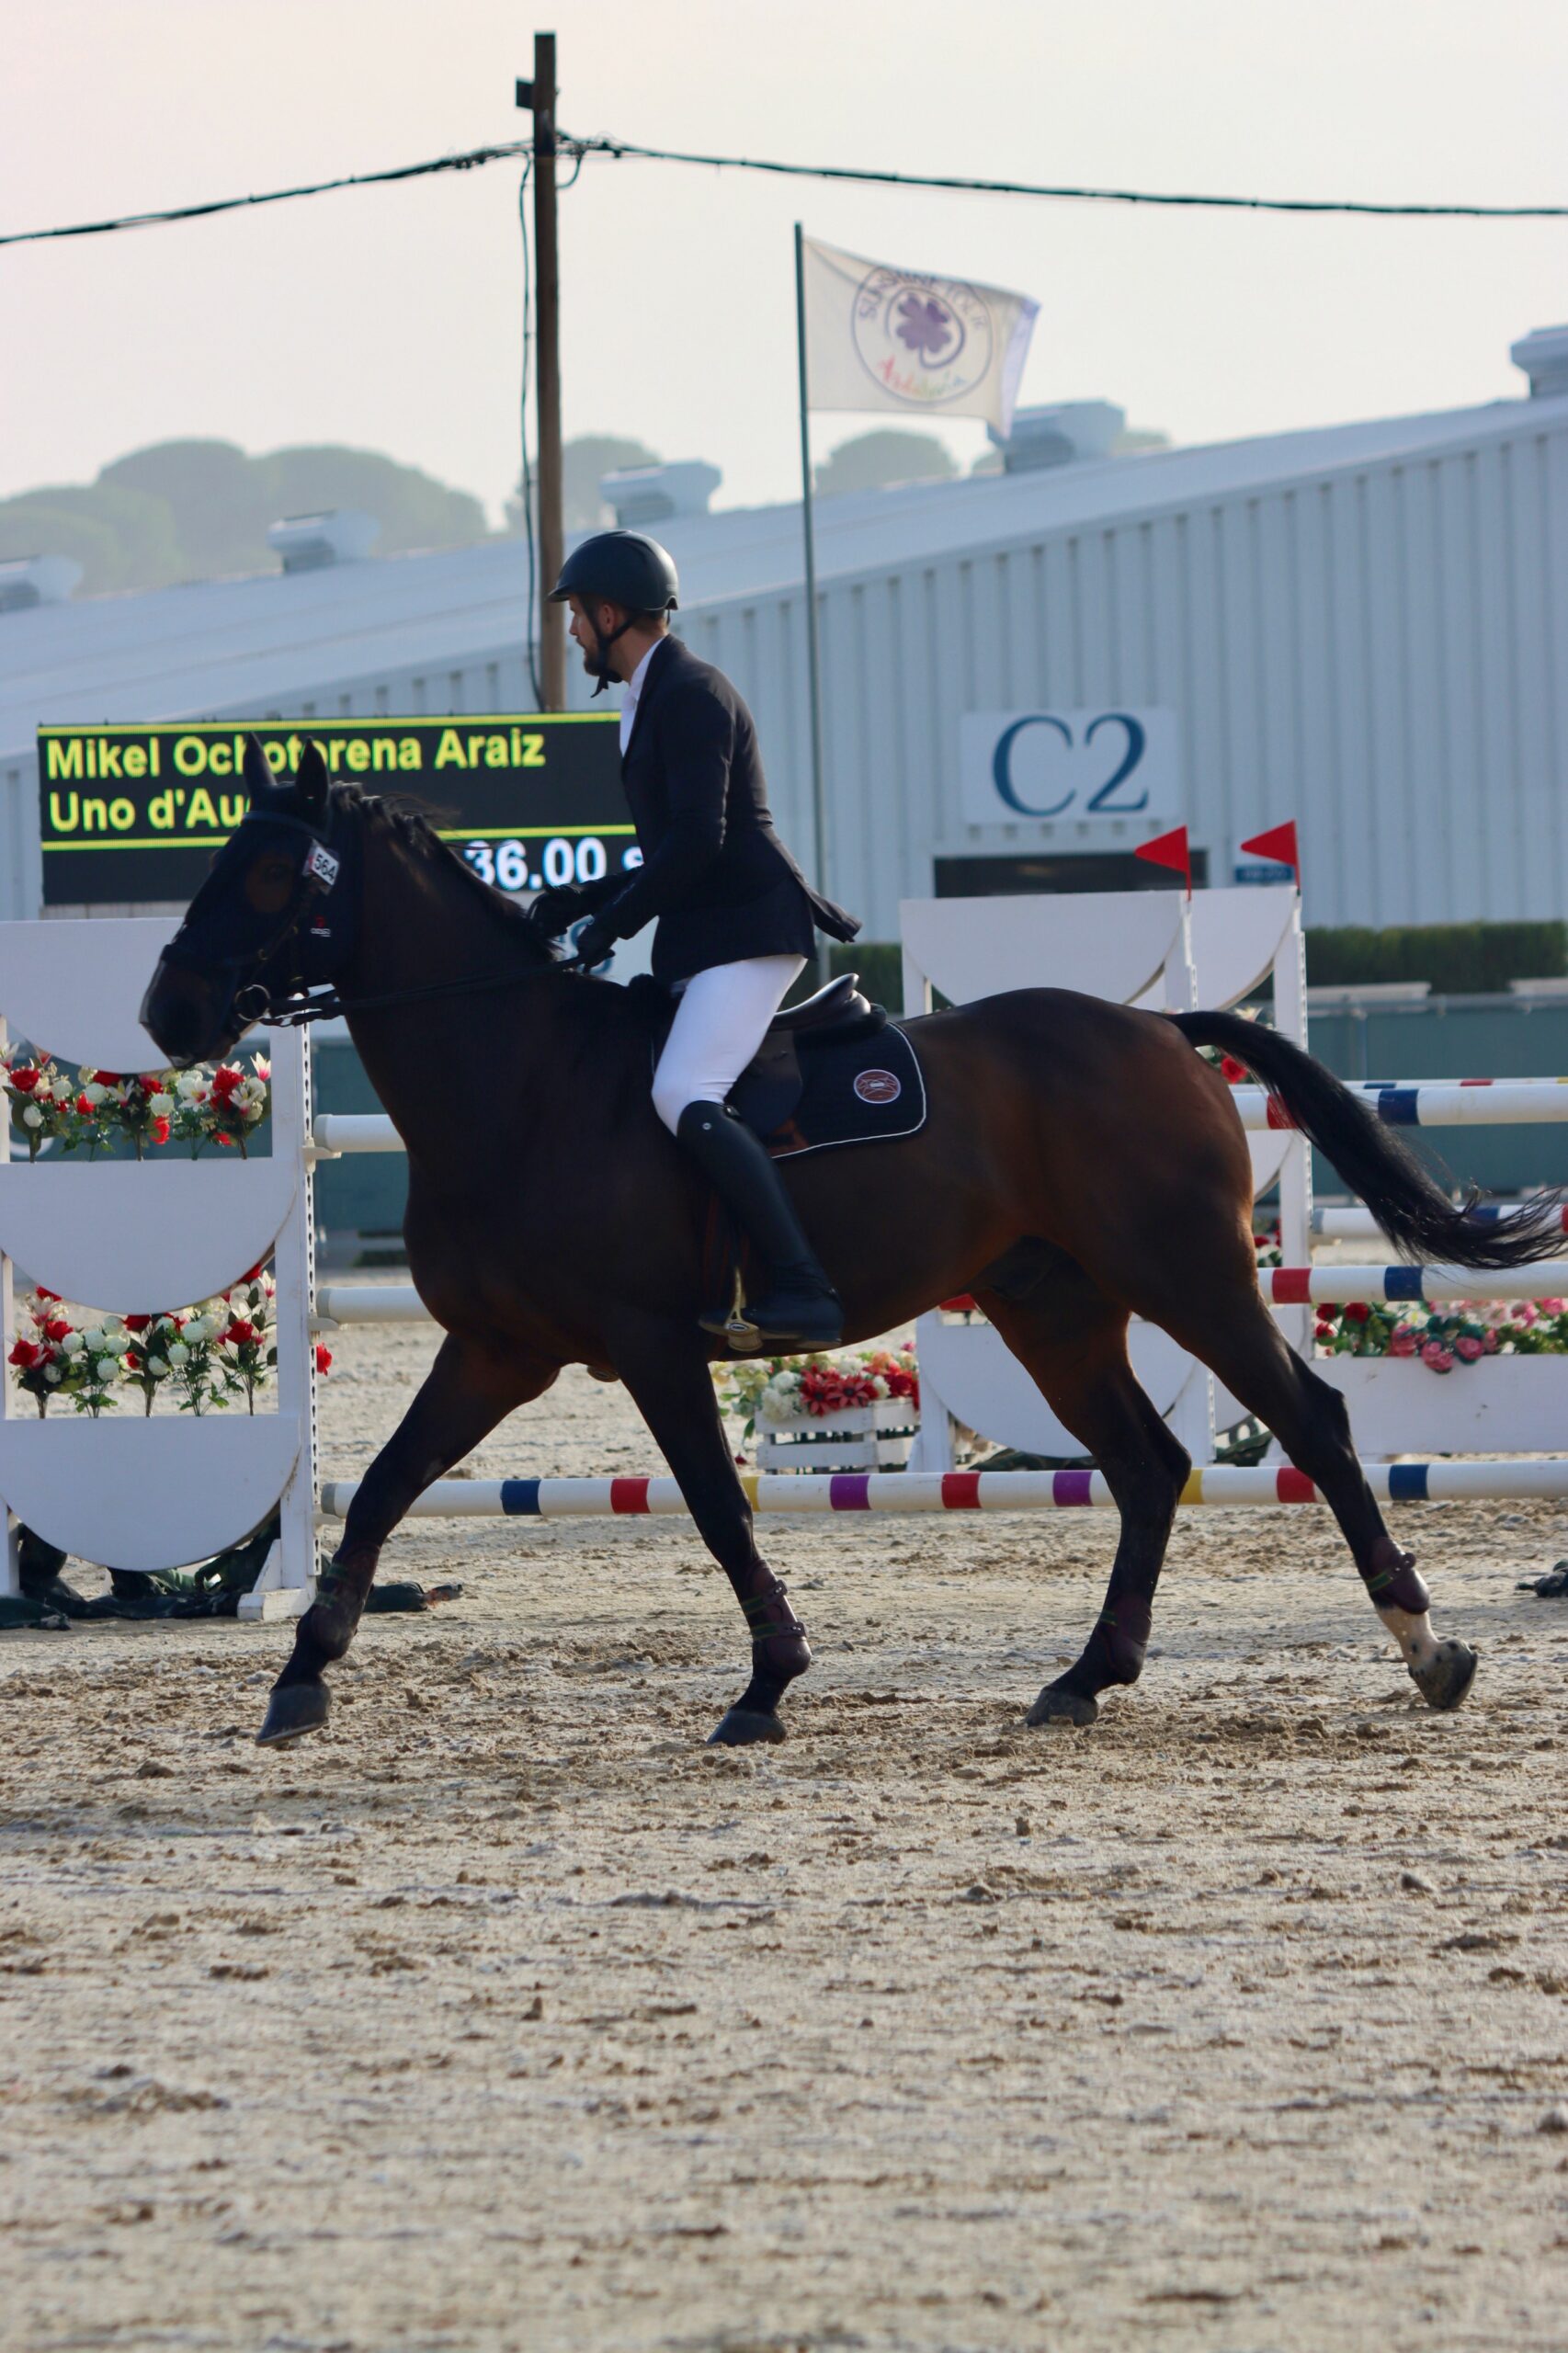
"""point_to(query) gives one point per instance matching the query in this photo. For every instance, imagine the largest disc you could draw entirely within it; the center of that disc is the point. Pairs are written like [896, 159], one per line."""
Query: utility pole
[538, 97]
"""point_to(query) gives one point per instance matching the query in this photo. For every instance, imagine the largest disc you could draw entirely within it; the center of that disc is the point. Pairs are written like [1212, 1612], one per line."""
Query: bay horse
[1080, 1164]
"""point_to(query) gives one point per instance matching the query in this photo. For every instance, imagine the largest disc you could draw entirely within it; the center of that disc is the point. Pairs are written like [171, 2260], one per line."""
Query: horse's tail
[1416, 1215]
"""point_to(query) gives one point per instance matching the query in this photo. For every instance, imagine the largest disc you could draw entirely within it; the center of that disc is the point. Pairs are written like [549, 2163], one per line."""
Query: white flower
[72, 1344]
[161, 1105]
[95, 1093]
[51, 1373]
[157, 1367]
[32, 1117]
[190, 1086]
[178, 1354]
[263, 1067]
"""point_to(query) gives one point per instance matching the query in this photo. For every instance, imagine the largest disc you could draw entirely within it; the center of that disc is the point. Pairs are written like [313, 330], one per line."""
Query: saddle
[831, 1070]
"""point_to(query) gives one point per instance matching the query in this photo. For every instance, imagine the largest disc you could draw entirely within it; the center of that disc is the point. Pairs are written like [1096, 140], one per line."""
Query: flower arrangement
[55, 1357]
[1444, 1337]
[777, 1389]
[99, 1108]
[206, 1355]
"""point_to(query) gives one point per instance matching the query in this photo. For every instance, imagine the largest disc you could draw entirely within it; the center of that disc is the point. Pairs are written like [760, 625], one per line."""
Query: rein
[327, 1004]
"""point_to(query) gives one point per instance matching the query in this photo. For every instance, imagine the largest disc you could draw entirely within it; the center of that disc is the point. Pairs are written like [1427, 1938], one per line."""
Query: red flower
[1358, 1313]
[109, 1077]
[25, 1353]
[57, 1330]
[132, 1358]
[324, 1359]
[149, 1082]
[225, 1079]
[85, 1107]
[239, 1332]
[1232, 1069]
[26, 1079]
[47, 1294]
[253, 1274]
[160, 1132]
[222, 1139]
[136, 1322]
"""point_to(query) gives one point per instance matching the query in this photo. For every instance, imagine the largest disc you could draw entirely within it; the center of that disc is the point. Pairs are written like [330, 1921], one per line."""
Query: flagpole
[814, 649]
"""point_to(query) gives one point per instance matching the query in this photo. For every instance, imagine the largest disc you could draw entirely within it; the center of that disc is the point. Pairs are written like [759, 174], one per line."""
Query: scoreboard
[133, 815]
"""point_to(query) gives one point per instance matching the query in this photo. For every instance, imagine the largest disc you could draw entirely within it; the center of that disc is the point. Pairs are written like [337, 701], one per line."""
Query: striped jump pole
[1357, 1224]
[1430, 1103]
[1329, 1286]
[1318, 1286]
[1398, 1103]
[1544, 1480]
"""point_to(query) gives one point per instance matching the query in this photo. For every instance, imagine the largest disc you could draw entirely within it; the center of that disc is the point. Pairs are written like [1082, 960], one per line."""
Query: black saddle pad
[863, 1084]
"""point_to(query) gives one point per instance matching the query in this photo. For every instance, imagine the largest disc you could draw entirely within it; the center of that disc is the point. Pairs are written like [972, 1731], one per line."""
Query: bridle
[298, 1000]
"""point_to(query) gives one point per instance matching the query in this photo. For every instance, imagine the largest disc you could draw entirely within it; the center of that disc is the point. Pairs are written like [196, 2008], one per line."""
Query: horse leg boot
[801, 1308]
[468, 1390]
[673, 1390]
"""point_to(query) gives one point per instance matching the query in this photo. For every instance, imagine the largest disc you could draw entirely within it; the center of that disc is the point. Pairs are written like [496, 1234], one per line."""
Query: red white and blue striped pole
[901, 1491]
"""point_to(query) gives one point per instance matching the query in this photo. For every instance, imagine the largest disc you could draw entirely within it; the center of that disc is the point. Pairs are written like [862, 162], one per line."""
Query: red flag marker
[1169, 849]
[1278, 842]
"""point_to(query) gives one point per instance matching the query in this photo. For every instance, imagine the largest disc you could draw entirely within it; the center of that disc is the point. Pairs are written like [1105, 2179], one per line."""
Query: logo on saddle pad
[877, 1087]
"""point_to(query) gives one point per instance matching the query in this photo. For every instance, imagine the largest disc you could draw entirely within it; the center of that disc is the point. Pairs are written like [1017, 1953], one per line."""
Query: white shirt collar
[633, 693]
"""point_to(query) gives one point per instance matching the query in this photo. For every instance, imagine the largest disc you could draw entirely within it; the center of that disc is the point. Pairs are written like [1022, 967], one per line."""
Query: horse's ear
[314, 780]
[258, 772]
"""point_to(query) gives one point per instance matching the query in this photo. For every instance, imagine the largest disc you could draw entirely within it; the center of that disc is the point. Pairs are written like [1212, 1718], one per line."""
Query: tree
[194, 510]
[875, 461]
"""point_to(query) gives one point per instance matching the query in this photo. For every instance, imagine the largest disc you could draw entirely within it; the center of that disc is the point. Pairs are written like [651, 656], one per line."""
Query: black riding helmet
[623, 568]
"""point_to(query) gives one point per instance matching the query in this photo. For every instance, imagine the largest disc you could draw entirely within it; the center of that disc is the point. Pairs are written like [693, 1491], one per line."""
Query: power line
[466, 161]
[618, 149]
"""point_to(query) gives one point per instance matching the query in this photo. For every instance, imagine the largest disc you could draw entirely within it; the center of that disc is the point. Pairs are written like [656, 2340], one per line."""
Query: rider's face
[580, 629]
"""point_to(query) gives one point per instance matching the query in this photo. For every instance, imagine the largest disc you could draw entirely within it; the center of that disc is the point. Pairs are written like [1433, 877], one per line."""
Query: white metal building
[1364, 627]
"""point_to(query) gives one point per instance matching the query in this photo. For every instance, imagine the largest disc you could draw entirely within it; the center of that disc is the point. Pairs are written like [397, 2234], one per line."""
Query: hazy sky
[390, 317]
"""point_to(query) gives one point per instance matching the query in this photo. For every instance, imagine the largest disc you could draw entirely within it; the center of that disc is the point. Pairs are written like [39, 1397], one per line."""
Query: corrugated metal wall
[1382, 652]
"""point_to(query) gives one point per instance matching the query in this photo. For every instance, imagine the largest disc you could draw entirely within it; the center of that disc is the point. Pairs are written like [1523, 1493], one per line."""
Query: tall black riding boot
[801, 1309]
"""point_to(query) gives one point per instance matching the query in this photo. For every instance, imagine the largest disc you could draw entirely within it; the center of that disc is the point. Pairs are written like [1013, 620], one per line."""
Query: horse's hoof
[1059, 1705]
[297, 1709]
[744, 1727]
[1445, 1682]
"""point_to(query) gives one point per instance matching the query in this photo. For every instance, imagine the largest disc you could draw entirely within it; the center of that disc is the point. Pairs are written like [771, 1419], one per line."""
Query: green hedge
[1458, 958]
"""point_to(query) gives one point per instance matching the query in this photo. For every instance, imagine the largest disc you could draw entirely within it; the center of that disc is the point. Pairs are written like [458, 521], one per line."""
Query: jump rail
[916, 1491]
[1359, 1224]
[1398, 1103]
[1315, 1286]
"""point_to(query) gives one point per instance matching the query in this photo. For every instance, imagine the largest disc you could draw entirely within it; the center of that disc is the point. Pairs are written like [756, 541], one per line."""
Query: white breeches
[720, 1021]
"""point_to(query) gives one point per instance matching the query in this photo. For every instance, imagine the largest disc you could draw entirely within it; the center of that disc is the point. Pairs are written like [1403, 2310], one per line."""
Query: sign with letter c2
[1088, 766]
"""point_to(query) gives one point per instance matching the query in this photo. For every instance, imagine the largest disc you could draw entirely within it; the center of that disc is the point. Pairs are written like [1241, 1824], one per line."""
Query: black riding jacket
[714, 873]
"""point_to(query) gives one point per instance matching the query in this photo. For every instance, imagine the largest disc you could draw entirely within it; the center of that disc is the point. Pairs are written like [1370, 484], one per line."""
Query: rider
[736, 916]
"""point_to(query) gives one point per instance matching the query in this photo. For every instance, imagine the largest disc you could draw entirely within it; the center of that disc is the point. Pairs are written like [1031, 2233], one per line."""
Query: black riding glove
[594, 943]
[556, 910]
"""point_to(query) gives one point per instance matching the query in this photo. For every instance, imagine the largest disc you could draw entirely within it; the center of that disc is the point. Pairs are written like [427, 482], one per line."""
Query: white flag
[884, 338]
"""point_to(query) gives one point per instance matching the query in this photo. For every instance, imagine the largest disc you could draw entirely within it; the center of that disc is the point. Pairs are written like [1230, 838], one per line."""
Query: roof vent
[1543, 356]
[307, 542]
[1065, 433]
[29, 580]
[643, 495]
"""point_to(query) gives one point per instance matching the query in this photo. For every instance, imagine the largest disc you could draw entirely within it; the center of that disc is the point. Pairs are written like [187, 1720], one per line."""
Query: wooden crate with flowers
[819, 1413]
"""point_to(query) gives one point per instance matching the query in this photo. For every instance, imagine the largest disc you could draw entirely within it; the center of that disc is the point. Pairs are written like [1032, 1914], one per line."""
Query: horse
[1080, 1164]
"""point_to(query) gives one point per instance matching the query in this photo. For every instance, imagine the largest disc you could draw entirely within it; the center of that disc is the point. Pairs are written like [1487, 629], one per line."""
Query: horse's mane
[414, 823]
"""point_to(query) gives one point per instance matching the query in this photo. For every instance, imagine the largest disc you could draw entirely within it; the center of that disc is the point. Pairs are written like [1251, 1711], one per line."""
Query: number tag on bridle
[322, 866]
